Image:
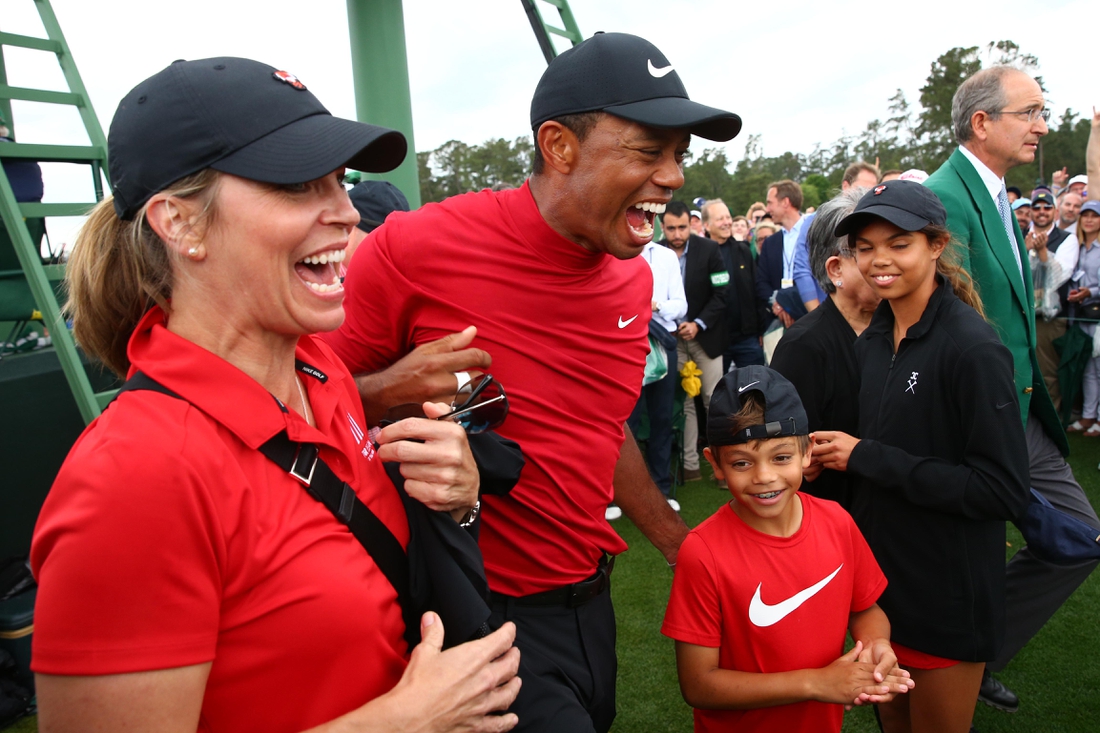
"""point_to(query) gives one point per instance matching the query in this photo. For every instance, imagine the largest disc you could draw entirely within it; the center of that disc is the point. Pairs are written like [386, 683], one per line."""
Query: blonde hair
[119, 269]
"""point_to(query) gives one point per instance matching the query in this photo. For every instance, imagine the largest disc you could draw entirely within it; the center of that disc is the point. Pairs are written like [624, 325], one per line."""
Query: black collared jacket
[942, 463]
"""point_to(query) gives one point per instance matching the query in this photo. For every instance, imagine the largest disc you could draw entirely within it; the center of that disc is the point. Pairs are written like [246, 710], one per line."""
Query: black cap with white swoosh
[783, 411]
[628, 77]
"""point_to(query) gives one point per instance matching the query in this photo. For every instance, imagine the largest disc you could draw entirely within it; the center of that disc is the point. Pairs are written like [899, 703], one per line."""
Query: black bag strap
[304, 464]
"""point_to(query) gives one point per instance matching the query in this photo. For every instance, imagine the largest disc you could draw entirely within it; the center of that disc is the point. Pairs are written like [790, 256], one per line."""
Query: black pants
[567, 664]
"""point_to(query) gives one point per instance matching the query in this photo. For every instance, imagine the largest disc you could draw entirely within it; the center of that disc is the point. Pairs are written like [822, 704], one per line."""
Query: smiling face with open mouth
[622, 177]
[763, 476]
[273, 253]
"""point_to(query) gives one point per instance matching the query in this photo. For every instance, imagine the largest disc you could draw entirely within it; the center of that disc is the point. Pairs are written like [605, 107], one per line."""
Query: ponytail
[950, 267]
[119, 269]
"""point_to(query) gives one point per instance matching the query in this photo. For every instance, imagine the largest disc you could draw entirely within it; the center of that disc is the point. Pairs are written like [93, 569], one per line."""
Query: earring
[193, 252]
[839, 283]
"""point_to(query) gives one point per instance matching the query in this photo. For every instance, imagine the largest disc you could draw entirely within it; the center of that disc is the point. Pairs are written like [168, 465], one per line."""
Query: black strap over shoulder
[301, 461]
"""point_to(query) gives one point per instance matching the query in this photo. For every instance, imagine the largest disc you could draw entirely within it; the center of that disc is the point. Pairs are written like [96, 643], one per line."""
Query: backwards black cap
[906, 204]
[236, 116]
[628, 77]
[783, 411]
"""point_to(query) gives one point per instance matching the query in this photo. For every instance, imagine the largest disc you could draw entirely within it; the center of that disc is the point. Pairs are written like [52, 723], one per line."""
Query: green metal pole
[380, 71]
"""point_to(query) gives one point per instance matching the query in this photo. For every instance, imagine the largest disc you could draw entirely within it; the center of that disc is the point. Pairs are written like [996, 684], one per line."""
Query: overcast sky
[797, 72]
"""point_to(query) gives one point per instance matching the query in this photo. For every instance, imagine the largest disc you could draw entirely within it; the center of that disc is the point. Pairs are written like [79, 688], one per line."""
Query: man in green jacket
[998, 116]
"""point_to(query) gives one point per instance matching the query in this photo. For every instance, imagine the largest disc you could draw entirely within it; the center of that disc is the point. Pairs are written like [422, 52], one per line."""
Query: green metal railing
[544, 30]
[38, 274]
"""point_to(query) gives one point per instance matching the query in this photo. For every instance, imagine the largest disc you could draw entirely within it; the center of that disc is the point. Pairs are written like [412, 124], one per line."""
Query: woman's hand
[453, 691]
[435, 460]
[833, 448]
[1078, 294]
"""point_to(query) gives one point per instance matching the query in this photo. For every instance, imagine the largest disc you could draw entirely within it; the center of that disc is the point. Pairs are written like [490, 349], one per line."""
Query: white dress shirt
[993, 184]
[668, 287]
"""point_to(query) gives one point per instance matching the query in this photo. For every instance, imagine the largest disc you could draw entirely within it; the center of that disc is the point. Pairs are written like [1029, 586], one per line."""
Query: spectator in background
[701, 336]
[1022, 209]
[1078, 185]
[717, 222]
[741, 229]
[817, 354]
[659, 398]
[1014, 194]
[891, 175]
[1069, 207]
[743, 314]
[374, 200]
[756, 212]
[1052, 254]
[860, 174]
[25, 176]
[697, 224]
[763, 229]
[775, 268]
[1085, 292]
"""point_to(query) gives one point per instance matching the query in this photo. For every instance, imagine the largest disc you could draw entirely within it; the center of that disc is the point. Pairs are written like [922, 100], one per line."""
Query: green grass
[1057, 676]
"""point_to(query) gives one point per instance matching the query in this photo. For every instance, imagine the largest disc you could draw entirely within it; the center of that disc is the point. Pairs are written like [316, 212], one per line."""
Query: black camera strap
[304, 464]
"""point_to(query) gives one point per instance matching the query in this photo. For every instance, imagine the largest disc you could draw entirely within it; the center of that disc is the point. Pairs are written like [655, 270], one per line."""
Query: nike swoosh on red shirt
[762, 614]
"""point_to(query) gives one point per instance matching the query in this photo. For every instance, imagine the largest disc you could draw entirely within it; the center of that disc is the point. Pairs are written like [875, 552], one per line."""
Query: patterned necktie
[1004, 208]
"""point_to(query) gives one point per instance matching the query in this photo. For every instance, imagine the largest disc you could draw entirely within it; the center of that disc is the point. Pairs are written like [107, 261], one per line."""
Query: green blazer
[1009, 304]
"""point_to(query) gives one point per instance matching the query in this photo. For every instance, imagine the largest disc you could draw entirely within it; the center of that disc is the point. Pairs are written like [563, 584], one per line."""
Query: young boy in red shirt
[767, 587]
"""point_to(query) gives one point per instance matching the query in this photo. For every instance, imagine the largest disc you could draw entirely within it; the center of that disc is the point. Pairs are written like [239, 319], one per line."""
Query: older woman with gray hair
[816, 354]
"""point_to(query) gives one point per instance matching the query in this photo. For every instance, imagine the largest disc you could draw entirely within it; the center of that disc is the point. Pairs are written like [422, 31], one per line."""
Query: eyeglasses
[1031, 114]
[479, 406]
[1042, 207]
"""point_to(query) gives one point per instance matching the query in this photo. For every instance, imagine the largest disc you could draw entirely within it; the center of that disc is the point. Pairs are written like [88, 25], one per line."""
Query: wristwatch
[468, 520]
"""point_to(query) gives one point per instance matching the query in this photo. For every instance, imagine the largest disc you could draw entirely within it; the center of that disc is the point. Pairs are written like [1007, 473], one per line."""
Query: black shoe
[994, 694]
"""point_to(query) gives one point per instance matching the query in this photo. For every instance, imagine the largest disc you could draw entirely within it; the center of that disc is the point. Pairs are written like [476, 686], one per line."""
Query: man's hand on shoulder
[426, 374]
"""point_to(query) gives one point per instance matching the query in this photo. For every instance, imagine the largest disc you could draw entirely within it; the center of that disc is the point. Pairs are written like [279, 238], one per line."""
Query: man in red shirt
[546, 274]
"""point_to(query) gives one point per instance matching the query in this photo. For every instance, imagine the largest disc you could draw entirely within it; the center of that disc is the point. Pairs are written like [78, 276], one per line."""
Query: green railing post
[380, 71]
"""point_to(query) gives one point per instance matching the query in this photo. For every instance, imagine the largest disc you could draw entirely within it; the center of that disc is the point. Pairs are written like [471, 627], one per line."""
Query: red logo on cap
[879, 189]
[286, 76]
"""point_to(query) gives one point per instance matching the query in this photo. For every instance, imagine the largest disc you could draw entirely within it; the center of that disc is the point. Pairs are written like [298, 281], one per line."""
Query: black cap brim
[900, 218]
[679, 113]
[314, 146]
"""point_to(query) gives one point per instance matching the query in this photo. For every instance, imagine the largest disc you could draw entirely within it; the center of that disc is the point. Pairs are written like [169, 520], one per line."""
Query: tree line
[912, 136]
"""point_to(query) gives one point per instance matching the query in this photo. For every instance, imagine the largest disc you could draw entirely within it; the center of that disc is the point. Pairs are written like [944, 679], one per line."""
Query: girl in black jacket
[942, 462]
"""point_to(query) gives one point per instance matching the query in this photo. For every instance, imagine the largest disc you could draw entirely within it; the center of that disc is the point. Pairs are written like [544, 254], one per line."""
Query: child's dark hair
[752, 413]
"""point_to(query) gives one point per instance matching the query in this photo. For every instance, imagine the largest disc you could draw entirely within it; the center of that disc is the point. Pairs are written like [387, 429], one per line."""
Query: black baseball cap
[905, 204]
[1043, 196]
[237, 116]
[783, 411]
[628, 77]
[375, 200]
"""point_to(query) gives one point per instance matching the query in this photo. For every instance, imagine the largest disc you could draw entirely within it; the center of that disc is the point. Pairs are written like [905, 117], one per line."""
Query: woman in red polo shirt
[187, 582]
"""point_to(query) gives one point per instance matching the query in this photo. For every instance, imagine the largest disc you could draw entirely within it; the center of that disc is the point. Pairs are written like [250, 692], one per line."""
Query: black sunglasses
[479, 406]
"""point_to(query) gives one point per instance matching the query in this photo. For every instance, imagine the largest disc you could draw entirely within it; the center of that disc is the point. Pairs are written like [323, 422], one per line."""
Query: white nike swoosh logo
[742, 389]
[658, 73]
[761, 614]
[624, 324]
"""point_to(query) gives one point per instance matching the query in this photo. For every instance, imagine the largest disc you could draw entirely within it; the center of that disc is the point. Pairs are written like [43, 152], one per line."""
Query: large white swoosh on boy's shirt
[761, 614]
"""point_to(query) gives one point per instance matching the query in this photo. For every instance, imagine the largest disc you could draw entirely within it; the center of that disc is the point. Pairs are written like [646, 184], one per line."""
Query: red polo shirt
[567, 331]
[168, 540]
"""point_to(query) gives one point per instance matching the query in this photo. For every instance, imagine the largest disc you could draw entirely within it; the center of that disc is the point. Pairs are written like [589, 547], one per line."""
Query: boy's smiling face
[764, 476]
